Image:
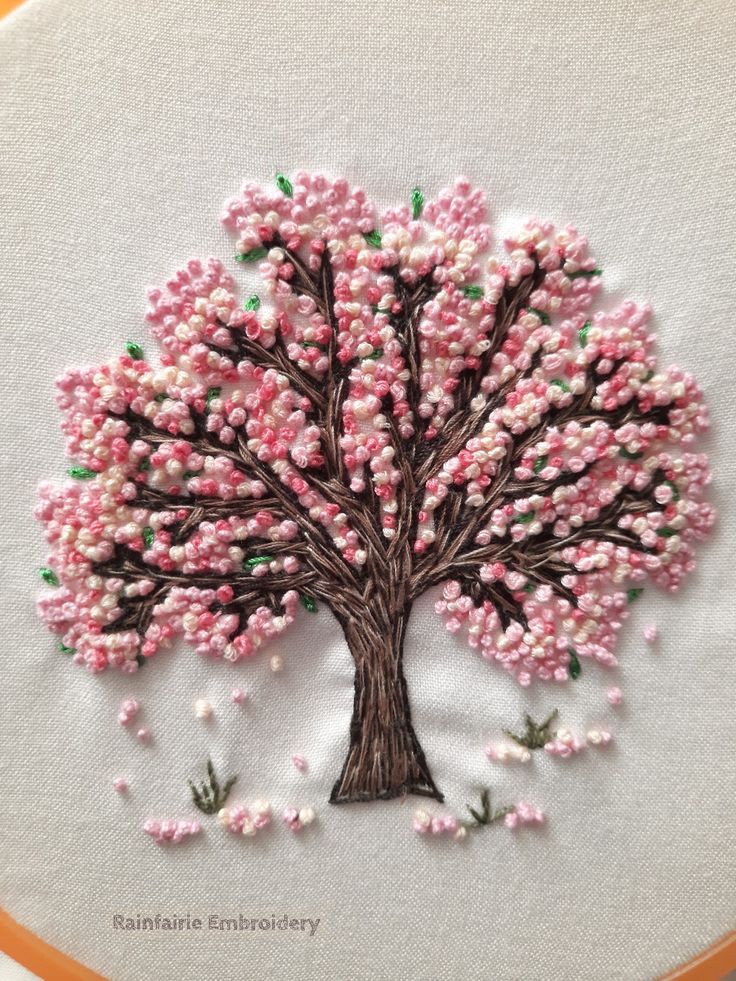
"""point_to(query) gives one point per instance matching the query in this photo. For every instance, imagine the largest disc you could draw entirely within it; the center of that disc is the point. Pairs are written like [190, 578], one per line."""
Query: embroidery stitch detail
[403, 411]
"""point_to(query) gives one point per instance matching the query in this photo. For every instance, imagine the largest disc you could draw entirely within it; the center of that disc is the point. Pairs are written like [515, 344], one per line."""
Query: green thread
[284, 185]
[212, 393]
[417, 202]
[259, 252]
[308, 603]
[673, 488]
[149, 536]
[667, 532]
[583, 333]
[375, 355]
[252, 303]
[48, 576]
[584, 273]
[373, 238]
[81, 473]
[530, 587]
[560, 383]
[472, 292]
[535, 734]
[634, 593]
[630, 454]
[145, 465]
[210, 797]
[161, 397]
[539, 313]
[188, 474]
[524, 519]
[134, 350]
[485, 815]
[540, 463]
[257, 560]
[320, 347]
[573, 667]
[140, 660]
[648, 377]
[66, 650]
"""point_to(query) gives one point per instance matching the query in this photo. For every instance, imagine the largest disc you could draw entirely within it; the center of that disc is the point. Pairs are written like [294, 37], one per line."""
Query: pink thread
[144, 735]
[128, 711]
[120, 784]
[247, 821]
[238, 696]
[651, 633]
[614, 696]
[524, 814]
[295, 819]
[299, 762]
[171, 831]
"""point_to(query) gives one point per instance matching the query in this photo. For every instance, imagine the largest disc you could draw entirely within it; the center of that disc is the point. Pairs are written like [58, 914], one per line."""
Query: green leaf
[473, 292]
[673, 488]
[252, 303]
[284, 185]
[313, 344]
[212, 393]
[259, 252]
[530, 587]
[134, 350]
[256, 560]
[48, 576]
[309, 604]
[629, 454]
[539, 313]
[417, 202]
[375, 355]
[81, 473]
[540, 463]
[148, 536]
[188, 474]
[66, 650]
[633, 593]
[561, 383]
[161, 397]
[584, 274]
[140, 660]
[667, 532]
[525, 519]
[583, 332]
[373, 238]
[648, 377]
[145, 465]
[573, 667]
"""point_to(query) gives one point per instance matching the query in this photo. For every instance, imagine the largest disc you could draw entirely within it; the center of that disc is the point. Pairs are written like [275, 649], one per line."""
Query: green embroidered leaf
[210, 797]
[309, 604]
[377, 352]
[212, 393]
[161, 397]
[530, 587]
[584, 274]
[667, 532]
[373, 238]
[540, 463]
[561, 383]
[259, 252]
[633, 593]
[525, 519]
[583, 333]
[539, 313]
[134, 350]
[256, 560]
[417, 202]
[81, 473]
[573, 667]
[188, 474]
[473, 292]
[313, 344]
[252, 303]
[48, 576]
[66, 650]
[648, 377]
[535, 734]
[284, 185]
[629, 454]
[673, 488]
[148, 536]
[140, 660]
[145, 465]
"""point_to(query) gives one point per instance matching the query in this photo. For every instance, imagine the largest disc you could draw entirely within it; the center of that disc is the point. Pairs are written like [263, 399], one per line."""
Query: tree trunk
[384, 759]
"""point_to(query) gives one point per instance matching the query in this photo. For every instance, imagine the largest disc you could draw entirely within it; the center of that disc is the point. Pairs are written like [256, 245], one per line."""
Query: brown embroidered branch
[372, 600]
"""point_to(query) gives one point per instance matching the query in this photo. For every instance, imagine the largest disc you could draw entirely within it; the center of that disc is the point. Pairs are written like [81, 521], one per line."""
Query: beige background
[122, 129]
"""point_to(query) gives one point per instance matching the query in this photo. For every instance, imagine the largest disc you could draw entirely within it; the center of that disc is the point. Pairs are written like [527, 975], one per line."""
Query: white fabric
[123, 128]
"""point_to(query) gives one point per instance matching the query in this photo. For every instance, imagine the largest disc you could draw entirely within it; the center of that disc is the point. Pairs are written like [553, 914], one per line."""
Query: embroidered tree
[405, 412]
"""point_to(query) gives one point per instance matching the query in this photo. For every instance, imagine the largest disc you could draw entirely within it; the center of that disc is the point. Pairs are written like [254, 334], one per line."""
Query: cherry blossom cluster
[171, 831]
[241, 820]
